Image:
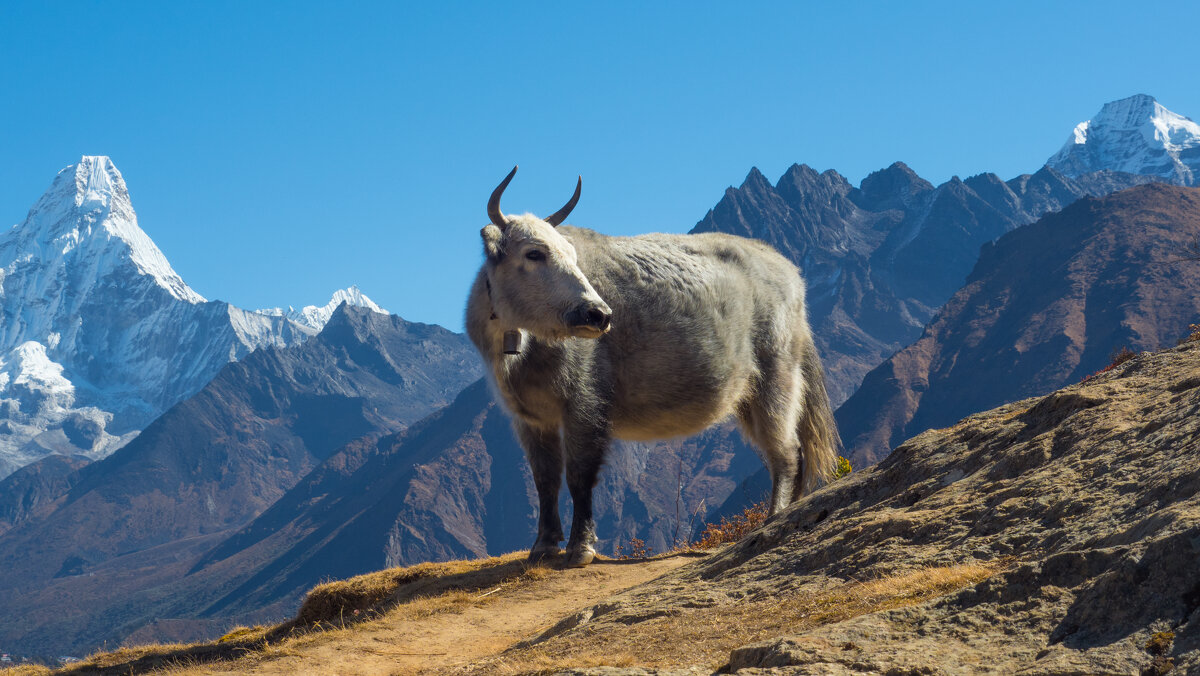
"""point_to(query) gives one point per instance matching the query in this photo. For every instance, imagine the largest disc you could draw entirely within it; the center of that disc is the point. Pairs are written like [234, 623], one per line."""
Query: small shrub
[732, 529]
[1160, 642]
[637, 550]
[1193, 337]
[843, 468]
[1119, 356]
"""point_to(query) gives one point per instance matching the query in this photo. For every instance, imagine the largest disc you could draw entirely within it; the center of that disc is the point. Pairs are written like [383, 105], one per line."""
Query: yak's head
[533, 274]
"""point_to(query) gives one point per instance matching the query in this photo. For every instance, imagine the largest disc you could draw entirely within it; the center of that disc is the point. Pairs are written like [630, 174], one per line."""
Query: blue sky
[278, 151]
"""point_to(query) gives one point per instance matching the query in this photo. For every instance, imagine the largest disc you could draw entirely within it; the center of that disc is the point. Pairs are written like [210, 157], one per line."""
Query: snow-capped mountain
[98, 334]
[1135, 135]
[316, 317]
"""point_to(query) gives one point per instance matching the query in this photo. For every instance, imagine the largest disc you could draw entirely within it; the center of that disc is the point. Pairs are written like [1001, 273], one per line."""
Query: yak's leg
[586, 444]
[544, 451]
[768, 417]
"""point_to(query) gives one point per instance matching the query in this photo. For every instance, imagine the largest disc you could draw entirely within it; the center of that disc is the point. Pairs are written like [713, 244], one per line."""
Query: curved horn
[561, 215]
[494, 213]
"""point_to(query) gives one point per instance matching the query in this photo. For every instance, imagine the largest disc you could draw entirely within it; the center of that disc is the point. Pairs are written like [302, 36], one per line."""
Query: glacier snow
[1136, 135]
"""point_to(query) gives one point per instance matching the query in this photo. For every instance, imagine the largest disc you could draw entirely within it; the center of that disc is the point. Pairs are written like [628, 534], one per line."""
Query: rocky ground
[1086, 500]
[1055, 535]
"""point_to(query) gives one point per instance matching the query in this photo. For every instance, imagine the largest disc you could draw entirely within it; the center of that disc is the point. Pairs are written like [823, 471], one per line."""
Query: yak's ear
[492, 238]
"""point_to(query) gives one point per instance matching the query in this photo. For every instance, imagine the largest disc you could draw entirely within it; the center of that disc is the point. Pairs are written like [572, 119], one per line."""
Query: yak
[588, 337]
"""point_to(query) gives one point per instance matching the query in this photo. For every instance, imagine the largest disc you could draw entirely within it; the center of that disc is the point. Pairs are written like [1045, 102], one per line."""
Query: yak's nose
[599, 317]
[592, 315]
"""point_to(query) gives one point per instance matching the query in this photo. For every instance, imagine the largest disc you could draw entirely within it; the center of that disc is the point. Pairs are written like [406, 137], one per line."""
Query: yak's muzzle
[589, 320]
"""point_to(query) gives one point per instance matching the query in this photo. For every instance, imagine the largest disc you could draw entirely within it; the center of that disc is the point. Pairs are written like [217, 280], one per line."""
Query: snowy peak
[86, 220]
[1144, 114]
[353, 296]
[316, 317]
[97, 182]
[98, 334]
[1136, 135]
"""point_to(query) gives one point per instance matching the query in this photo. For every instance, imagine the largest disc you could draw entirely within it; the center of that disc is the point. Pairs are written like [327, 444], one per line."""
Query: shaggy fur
[702, 327]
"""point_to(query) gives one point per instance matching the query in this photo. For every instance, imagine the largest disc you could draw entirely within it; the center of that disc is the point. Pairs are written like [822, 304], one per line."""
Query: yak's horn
[561, 215]
[494, 213]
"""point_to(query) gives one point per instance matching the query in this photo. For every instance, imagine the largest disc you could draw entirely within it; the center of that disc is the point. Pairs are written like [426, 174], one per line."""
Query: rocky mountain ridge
[315, 317]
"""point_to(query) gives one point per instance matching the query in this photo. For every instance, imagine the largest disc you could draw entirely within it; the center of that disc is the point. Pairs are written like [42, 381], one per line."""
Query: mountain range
[98, 334]
[346, 439]
[882, 257]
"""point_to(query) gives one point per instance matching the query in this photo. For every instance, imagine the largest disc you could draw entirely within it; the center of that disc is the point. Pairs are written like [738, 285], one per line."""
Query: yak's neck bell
[513, 341]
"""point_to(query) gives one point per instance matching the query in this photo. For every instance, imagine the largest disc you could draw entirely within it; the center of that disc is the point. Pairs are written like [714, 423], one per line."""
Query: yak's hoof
[542, 552]
[578, 558]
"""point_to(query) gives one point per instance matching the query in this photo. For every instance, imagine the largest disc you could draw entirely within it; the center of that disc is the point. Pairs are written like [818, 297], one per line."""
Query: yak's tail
[819, 438]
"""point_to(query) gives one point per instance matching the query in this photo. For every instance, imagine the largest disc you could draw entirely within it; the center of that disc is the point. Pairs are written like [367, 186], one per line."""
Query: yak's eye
[535, 255]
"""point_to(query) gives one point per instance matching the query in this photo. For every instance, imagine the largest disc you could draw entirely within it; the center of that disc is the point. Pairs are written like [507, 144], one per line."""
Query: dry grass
[732, 529]
[704, 636]
[338, 602]
[24, 670]
[412, 592]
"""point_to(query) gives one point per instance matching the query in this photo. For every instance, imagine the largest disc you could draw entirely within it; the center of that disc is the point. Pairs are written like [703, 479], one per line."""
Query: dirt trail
[466, 628]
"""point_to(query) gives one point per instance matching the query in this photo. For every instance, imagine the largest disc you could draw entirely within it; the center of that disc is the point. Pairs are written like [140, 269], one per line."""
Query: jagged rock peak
[1136, 135]
[891, 188]
[87, 214]
[802, 174]
[755, 180]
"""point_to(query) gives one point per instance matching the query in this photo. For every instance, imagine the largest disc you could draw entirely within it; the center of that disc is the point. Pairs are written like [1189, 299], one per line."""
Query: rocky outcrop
[1046, 305]
[1086, 502]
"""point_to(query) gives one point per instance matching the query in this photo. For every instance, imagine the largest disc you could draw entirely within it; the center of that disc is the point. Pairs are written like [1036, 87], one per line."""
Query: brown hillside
[1046, 305]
